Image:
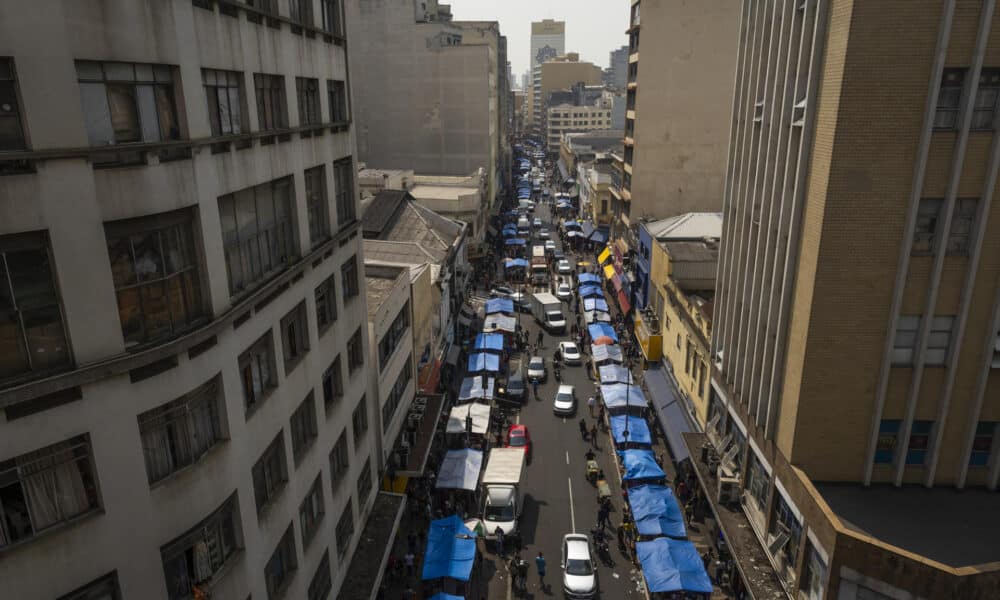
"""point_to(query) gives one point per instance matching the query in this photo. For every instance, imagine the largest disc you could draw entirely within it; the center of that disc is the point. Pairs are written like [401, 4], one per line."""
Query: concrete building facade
[560, 73]
[183, 361]
[616, 76]
[677, 108]
[548, 40]
[567, 118]
[855, 370]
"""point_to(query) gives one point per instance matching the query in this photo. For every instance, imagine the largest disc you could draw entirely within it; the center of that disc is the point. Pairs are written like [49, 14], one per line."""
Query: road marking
[517, 418]
[572, 513]
[567, 457]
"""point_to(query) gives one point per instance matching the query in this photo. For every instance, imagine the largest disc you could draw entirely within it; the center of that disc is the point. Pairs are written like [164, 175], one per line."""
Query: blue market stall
[481, 361]
[588, 278]
[640, 465]
[489, 341]
[597, 303]
[591, 291]
[500, 305]
[638, 430]
[672, 566]
[450, 556]
[621, 397]
[599, 330]
[615, 374]
[656, 511]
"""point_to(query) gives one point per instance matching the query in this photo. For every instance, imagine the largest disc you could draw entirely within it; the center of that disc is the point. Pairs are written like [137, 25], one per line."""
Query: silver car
[565, 401]
[536, 369]
[579, 575]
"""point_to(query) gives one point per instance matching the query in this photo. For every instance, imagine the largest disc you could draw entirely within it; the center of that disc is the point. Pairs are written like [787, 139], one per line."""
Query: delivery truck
[502, 487]
[548, 311]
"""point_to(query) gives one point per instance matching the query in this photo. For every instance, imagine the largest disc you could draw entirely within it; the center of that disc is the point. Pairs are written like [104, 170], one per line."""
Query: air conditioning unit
[729, 490]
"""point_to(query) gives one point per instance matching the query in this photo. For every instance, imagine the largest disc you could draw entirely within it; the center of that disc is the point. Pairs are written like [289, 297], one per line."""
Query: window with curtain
[272, 109]
[343, 180]
[295, 336]
[303, 427]
[11, 129]
[177, 434]
[196, 556]
[127, 102]
[345, 529]
[307, 92]
[257, 372]
[317, 205]
[270, 473]
[257, 233]
[224, 91]
[154, 265]
[46, 487]
[311, 511]
[282, 565]
[322, 583]
[336, 91]
[32, 332]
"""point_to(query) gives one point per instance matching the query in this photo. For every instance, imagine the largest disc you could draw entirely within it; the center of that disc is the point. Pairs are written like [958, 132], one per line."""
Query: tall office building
[183, 354]
[616, 76]
[548, 40]
[857, 336]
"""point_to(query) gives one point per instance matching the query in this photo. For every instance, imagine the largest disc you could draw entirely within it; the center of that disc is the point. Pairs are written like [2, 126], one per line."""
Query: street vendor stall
[614, 373]
[599, 330]
[500, 323]
[630, 431]
[606, 354]
[585, 278]
[499, 306]
[459, 470]
[673, 566]
[621, 398]
[590, 290]
[450, 557]
[640, 465]
[479, 387]
[595, 303]
[488, 342]
[656, 511]
[596, 316]
[468, 426]
[483, 361]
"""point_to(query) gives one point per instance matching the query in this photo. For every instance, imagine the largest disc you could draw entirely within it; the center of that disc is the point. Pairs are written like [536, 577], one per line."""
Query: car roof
[565, 389]
[518, 427]
[577, 545]
[568, 344]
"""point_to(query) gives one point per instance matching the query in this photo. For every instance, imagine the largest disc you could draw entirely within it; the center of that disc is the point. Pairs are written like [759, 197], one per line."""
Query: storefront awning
[604, 256]
[623, 302]
[638, 430]
[600, 235]
[672, 566]
[640, 464]
[669, 411]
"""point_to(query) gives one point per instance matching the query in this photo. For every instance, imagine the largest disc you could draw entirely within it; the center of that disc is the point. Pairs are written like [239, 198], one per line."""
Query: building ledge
[422, 435]
[364, 576]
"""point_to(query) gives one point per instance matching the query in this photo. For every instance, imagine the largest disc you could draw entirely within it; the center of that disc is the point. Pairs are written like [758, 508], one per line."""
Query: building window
[224, 90]
[270, 473]
[272, 110]
[295, 336]
[32, 334]
[198, 555]
[349, 275]
[257, 232]
[355, 353]
[394, 337]
[326, 304]
[345, 529]
[888, 434]
[311, 511]
[905, 340]
[949, 102]
[757, 482]
[337, 93]
[332, 20]
[316, 205]
[322, 583]
[105, 588]
[365, 482]
[939, 341]
[397, 393]
[813, 582]
[155, 270]
[281, 566]
[127, 102]
[928, 213]
[343, 180]
[257, 372]
[333, 385]
[963, 224]
[307, 90]
[982, 444]
[303, 428]
[359, 421]
[339, 462]
[984, 113]
[177, 434]
[920, 440]
[269, 7]
[301, 12]
[46, 487]
[11, 131]
[786, 532]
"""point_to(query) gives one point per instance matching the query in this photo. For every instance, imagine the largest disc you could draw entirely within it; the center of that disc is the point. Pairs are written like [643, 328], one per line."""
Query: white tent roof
[480, 414]
[460, 470]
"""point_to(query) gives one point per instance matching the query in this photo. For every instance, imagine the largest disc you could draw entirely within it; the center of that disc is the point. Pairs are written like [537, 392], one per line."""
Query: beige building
[184, 364]
[559, 73]
[678, 106]
[567, 118]
[461, 198]
[548, 40]
[371, 181]
[856, 372]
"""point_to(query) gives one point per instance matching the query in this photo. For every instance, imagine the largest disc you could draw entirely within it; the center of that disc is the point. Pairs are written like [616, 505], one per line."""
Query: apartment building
[559, 73]
[677, 108]
[857, 315]
[183, 360]
[548, 40]
[568, 118]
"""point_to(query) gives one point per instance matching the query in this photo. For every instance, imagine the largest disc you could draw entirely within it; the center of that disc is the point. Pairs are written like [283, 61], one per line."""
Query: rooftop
[689, 226]
[442, 192]
[955, 527]
[692, 251]
[367, 173]
[379, 281]
[394, 216]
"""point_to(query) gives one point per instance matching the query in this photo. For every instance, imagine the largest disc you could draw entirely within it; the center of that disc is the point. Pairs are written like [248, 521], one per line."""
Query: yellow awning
[603, 256]
[609, 271]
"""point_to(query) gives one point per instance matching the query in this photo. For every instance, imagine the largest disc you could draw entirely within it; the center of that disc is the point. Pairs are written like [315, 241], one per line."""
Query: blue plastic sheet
[600, 235]
[499, 305]
[512, 263]
[600, 330]
[515, 241]
[638, 430]
[602, 352]
[589, 278]
[591, 291]
[489, 341]
[620, 395]
[595, 304]
[615, 374]
[656, 511]
[672, 566]
[587, 227]
[451, 550]
[641, 464]
[444, 596]
[569, 224]
[484, 362]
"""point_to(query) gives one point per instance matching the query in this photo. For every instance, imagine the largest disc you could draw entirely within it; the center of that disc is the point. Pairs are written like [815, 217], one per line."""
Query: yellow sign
[604, 256]
[651, 344]
[609, 271]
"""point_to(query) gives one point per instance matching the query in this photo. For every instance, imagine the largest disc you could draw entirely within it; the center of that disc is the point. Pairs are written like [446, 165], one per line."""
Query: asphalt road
[558, 497]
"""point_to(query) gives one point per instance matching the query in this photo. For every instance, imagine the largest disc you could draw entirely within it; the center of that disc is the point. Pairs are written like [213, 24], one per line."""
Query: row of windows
[394, 336]
[920, 440]
[956, 85]
[136, 102]
[396, 394]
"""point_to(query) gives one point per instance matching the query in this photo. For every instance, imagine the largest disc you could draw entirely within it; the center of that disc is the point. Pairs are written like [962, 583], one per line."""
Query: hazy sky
[593, 27]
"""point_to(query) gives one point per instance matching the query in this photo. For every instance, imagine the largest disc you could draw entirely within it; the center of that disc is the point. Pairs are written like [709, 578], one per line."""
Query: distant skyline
[593, 27]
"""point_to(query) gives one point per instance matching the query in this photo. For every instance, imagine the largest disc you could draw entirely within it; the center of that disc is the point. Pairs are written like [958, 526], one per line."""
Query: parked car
[536, 369]
[579, 575]
[537, 222]
[565, 401]
[543, 234]
[564, 292]
[570, 353]
[518, 437]
[550, 246]
[563, 267]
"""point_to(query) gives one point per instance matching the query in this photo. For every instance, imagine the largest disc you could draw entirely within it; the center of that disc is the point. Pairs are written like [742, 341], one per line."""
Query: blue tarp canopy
[515, 241]
[620, 395]
[672, 566]
[591, 290]
[490, 341]
[656, 511]
[595, 304]
[482, 361]
[641, 464]
[588, 278]
[602, 352]
[511, 263]
[600, 235]
[569, 224]
[509, 232]
[638, 431]
[562, 204]
[451, 550]
[597, 330]
[614, 373]
[499, 305]
[476, 388]
[587, 227]
[444, 596]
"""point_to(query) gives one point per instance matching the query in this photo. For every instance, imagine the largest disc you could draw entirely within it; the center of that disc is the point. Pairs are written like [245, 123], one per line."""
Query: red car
[517, 437]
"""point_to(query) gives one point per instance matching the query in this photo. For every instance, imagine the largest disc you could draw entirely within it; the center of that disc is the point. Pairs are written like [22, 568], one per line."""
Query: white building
[567, 118]
[184, 360]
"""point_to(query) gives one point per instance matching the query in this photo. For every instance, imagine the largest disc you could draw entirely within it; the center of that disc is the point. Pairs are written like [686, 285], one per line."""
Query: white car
[543, 234]
[563, 267]
[564, 292]
[579, 575]
[536, 369]
[537, 222]
[550, 246]
[570, 353]
[565, 401]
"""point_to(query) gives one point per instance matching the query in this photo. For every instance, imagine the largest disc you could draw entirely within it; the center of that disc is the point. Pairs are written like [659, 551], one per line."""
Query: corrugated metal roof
[689, 226]
[379, 213]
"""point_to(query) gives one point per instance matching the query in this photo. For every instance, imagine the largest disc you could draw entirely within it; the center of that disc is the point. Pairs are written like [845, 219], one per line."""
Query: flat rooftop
[379, 282]
[442, 192]
[958, 528]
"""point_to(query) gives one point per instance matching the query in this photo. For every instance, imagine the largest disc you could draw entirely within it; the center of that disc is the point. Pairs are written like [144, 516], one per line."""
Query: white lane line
[567, 457]
[572, 513]
[517, 419]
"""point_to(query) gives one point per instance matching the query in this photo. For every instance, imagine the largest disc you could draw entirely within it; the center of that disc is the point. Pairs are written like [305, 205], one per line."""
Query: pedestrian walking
[541, 336]
[499, 536]
[583, 429]
[409, 559]
[590, 404]
[534, 388]
[540, 565]
[600, 415]
[593, 436]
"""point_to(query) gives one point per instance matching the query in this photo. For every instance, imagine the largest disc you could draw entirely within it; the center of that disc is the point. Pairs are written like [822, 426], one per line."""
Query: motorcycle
[601, 546]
